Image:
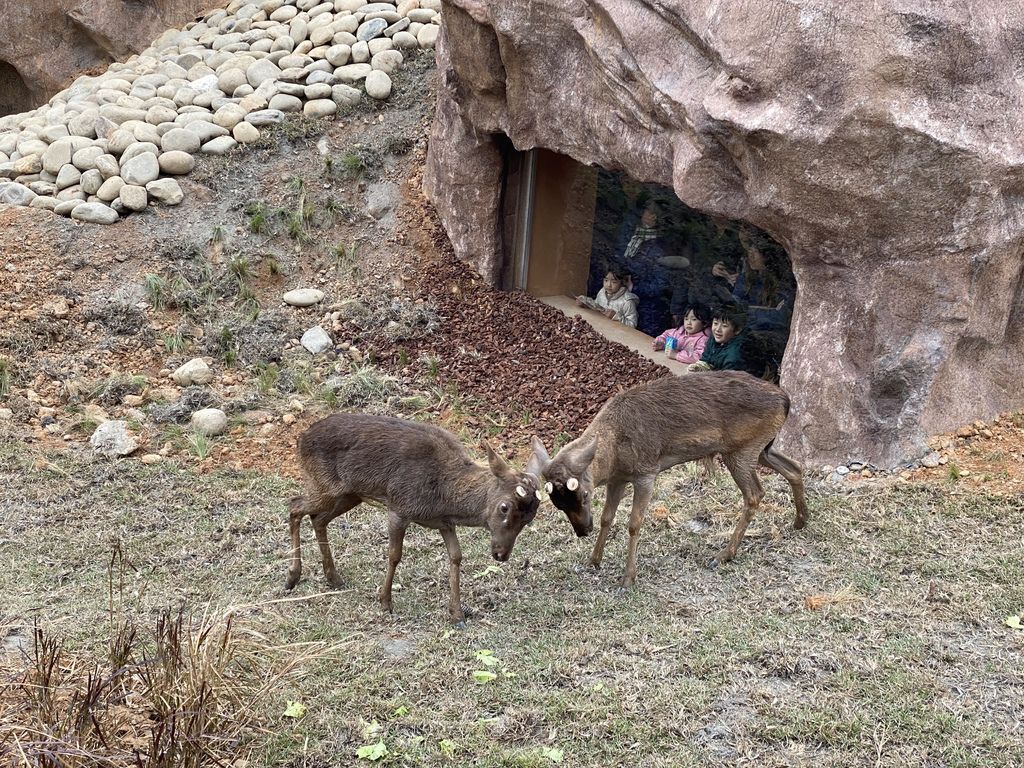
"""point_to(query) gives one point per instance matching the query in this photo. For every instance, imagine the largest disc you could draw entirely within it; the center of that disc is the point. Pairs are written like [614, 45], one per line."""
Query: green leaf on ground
[1014, 622]
[483, 676]
[372, 752]
[295, 709]
[487, 658]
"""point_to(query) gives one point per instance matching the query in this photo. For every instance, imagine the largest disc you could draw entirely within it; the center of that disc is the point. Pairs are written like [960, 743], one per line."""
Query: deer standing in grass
[645, 430]
[422, 474]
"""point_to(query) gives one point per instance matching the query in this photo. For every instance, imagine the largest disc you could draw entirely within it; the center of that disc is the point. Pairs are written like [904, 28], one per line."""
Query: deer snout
[501, 554]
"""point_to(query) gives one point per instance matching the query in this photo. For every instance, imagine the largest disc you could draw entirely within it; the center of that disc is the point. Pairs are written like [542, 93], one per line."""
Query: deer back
[385, 459]
[686, 418]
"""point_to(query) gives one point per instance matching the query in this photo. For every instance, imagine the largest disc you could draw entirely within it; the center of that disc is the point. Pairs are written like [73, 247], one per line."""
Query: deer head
[512, 503]
[567, 480]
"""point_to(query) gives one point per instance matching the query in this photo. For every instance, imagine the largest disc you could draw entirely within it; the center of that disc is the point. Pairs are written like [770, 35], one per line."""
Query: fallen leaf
[372, 752]
[1014, 622]
[483, 676]
[295, 709]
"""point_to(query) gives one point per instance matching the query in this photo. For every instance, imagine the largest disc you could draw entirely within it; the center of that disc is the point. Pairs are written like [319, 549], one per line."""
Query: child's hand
[580, 302]
[698, 367]
[609, 313]
[658, 345]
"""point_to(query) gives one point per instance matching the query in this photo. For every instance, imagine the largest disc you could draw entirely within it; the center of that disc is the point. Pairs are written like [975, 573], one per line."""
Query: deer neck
[603, 465]
[470, 495]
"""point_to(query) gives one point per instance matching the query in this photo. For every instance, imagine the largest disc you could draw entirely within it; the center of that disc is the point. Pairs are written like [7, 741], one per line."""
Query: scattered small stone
[842, 470]
[931, 460]
[316, 340]
[303, 297]
[195, 371]
[210, 422]
[112, 438]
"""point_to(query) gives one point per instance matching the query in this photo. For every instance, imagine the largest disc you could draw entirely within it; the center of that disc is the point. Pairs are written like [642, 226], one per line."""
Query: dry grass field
[143, 621]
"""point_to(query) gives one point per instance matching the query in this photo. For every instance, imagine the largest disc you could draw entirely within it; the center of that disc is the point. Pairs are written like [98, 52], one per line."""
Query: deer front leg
[613, 496]
[454, 563]
[396, 536]
[643, 489]
[296, 511]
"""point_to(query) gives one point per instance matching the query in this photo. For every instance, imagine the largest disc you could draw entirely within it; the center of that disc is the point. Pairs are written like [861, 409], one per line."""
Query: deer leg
[643, 489]
[396, 535]
[612, 498]
[296, 511]
[454, 563]
[744, 473]
[341, 505]
[794, 473]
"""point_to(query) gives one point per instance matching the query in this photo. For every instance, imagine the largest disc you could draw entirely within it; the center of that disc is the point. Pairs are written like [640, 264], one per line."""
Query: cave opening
[566, 225]
[15, 95]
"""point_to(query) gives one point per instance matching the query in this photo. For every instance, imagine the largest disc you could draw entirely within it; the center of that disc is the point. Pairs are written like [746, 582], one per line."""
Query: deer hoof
[335, 581]
[293, 580]
[799, 523]
[460, 625]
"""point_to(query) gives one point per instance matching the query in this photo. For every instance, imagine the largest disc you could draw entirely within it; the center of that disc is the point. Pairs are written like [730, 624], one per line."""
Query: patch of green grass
[266, 378]
[247, 302]
[238, 265]
[174, 342]
[228, 346]
[218, 234]
[156, 291]
[259, 217]
[201, 445]
[296, 227]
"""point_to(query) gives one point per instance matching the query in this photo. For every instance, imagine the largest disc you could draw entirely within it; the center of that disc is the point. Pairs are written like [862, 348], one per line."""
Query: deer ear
[498, 466]
[581, 458]
[539, 460]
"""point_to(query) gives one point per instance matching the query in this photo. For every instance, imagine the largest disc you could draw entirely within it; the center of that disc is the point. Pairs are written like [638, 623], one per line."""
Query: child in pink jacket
[690, 337]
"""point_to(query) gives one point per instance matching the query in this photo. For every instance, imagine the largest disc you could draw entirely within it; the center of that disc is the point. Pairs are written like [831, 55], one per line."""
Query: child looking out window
[614, 300]
[724, 350]
[691, 336]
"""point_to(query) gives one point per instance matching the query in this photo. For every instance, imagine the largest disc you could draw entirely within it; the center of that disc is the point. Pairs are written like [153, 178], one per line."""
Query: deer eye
[503, 507]
[586, 494]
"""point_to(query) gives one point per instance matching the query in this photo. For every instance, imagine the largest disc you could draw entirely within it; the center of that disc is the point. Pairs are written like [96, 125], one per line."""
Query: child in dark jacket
[725, 349]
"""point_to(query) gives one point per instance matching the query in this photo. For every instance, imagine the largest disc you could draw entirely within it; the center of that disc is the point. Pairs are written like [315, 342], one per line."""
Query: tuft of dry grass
[179, 693]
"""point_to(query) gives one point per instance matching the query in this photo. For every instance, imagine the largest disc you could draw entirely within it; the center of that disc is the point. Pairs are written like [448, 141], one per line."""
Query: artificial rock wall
[44, 44]
[879, 140]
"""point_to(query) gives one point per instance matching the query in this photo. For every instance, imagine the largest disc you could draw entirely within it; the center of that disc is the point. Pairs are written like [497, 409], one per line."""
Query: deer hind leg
[454, 564]
[613, 496]
[794, 473]
[340, 505]
[296, 511]
[743, 471]
[396, 536]
[643, 489]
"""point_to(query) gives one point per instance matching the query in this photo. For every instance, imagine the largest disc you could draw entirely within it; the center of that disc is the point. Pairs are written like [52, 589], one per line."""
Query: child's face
[612, 284]
[692, 323]
[723, 330]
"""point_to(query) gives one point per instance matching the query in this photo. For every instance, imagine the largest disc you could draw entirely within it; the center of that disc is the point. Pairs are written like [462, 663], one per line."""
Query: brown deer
[651, 427]
[422, 474]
